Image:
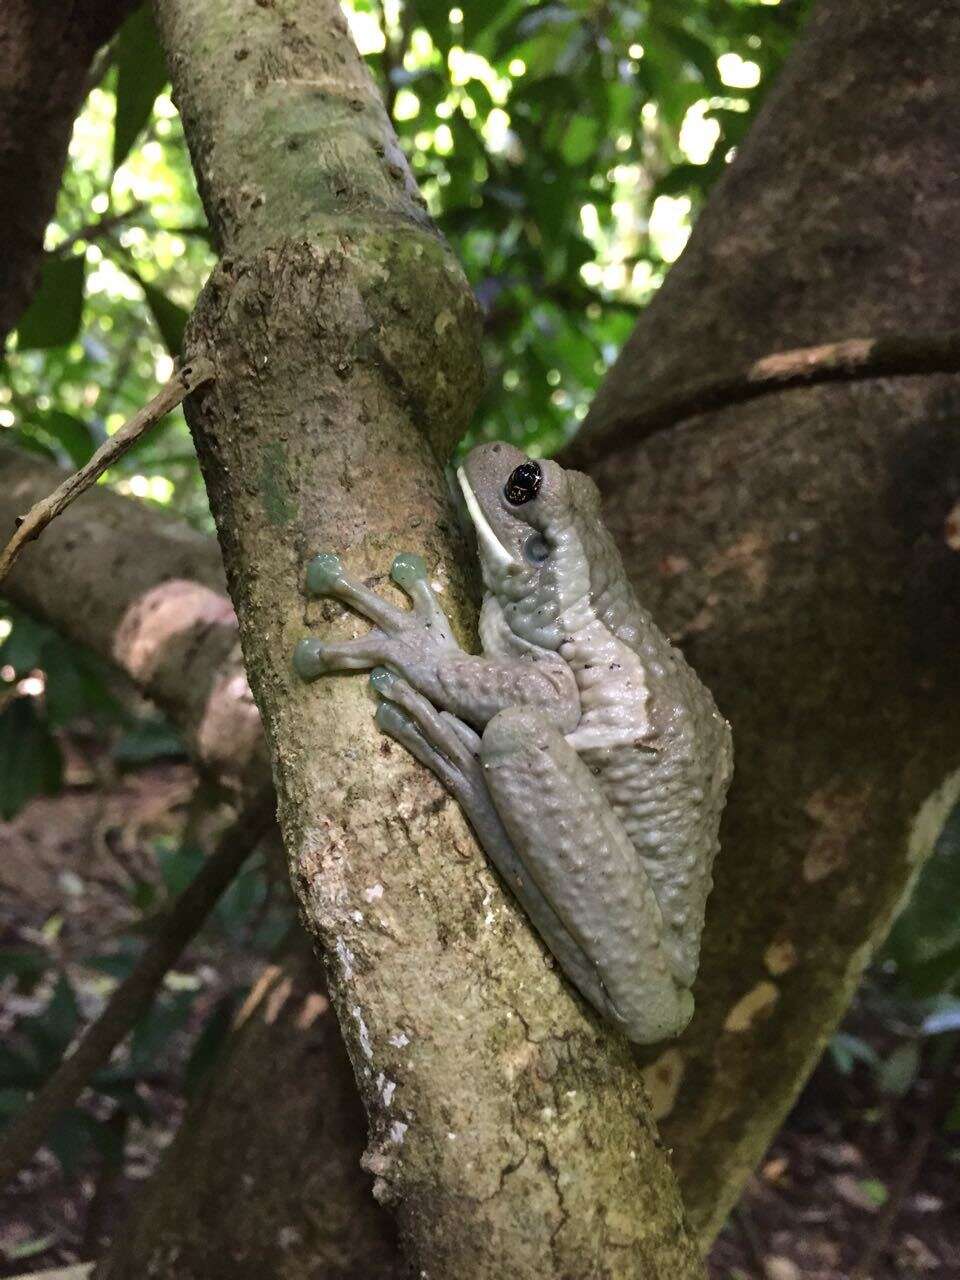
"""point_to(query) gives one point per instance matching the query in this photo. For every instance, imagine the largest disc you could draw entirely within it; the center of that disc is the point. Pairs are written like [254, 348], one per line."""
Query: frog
[588, 757]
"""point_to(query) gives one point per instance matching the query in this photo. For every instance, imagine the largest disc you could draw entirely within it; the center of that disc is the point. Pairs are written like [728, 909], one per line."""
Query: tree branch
[851, 360]
[801, 548]
[46, 54]
[145, 591]
[133, 997]
[31, 525]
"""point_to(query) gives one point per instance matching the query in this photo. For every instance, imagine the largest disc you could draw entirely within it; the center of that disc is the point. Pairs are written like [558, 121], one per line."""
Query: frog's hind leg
[576, 849]
[450, 749]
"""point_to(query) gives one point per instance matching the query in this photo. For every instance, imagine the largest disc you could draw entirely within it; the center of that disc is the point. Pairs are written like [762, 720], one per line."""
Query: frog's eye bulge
[524, 484]
[536, 548]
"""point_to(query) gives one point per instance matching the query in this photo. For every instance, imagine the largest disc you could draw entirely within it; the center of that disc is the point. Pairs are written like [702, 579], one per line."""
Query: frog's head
[535, 526]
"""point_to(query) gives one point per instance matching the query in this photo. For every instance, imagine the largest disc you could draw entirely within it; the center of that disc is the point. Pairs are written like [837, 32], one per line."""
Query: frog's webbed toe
[399, 725]
[411, 642]
[409, 572]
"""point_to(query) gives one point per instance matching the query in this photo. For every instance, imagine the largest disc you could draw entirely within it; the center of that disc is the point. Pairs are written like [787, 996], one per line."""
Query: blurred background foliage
[565, 150]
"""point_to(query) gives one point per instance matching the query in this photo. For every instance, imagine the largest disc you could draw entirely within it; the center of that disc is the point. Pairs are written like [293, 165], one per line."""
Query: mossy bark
[508, 1129]
[803, 547]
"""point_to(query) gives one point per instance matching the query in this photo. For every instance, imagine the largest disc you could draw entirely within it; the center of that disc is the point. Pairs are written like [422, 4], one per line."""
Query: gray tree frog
[587, 755]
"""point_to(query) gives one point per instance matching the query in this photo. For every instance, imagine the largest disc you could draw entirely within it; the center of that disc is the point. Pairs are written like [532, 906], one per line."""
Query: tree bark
[805, 548]
[509, 1131]
[46, 51]
[141, 589]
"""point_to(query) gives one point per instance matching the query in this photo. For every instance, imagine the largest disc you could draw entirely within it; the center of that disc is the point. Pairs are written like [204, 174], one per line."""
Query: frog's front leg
[574, 847]
[418, 645]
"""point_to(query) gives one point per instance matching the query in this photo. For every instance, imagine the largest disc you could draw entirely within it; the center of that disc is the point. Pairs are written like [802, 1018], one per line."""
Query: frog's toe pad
[395, 722]
[308, 658]
[324, 572]
[382, 681]
[408, 568]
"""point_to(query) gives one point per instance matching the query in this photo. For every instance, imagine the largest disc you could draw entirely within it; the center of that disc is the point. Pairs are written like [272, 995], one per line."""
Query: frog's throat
[491, 547]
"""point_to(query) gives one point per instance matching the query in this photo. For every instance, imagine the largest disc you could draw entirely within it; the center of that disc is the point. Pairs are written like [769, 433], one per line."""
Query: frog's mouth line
[490, 545]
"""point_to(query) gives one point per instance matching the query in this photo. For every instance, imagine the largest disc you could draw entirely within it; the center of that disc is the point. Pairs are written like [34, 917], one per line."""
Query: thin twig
[99, 227]
[849, 361]
[136, 993]
[30, 526]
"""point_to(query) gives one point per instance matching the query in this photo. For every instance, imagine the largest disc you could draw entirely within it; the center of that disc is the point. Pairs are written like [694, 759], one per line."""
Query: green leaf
[23, 647]
[153, 1032]
[71, 1138]
[580, 139]
[141, 74]
[19, 1071]
[51, 1031]
[72, 433]
[25, 964]
[179, 867]
[209, 1044]
[929, 927]
[170, 319]
[53, 317]
[943, 1020]
[874, 1190]
[28, 1248]
[30, 760]
[148, 741]
[900, 1069]
[846, 1049]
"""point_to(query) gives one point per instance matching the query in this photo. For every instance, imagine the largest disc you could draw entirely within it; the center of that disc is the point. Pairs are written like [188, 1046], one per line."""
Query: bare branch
[30, 526]
[850, 360]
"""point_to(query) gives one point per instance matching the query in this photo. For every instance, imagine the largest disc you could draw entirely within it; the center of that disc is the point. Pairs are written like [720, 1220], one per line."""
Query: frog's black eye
[524, 484]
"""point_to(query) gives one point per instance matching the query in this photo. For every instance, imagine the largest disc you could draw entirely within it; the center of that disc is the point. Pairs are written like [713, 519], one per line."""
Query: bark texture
[508, 1129]
[46, 51]
[805, 549]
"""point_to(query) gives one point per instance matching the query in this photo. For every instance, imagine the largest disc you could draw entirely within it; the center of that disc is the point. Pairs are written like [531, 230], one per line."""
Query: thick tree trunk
[509, 1131]
[46, 51]
[804, 547]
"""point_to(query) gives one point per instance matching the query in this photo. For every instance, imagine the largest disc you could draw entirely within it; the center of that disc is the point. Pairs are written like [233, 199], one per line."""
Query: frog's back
[668, 782]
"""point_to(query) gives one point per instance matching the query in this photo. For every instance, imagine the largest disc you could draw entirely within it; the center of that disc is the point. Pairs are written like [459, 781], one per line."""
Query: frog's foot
[406, 640]
[447, 746]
